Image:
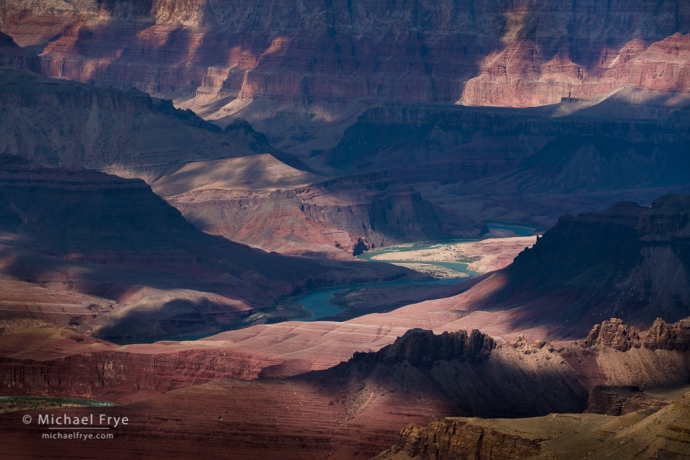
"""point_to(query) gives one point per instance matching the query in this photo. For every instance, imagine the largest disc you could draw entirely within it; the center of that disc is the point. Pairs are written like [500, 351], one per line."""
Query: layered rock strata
[621, 400]
[528, 165]
[349, 214]
[59, 123]
[300, 67]
[140, 268]
[654, 433]
[628, 261]
[418, 378]
[266, 200]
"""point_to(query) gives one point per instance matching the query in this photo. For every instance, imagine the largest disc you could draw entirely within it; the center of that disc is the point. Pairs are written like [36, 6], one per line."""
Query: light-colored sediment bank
[481, 256]
[434, 271]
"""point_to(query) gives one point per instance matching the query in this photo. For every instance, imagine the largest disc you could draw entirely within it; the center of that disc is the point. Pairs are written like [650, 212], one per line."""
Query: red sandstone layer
[355, 409]
[299, 70]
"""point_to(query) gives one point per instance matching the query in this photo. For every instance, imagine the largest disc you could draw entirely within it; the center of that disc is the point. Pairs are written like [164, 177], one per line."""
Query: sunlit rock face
[328, 61]
[336, 218]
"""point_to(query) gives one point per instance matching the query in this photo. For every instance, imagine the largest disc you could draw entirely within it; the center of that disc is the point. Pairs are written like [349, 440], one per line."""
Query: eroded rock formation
[269, 200]
[336, 217]
[129, 133]
[527, 165]
[13, 55]
[614, 334]
[227, 60]
[306, 65]
[661, 336]
[422, 348]
[461, 440]
[628, 261]
[418, 379]
[142, 269]
[647, 434]
[621, 400]
[664, 336]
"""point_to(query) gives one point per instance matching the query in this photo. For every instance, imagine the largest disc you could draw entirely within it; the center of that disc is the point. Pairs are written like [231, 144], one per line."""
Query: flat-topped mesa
[421, 348]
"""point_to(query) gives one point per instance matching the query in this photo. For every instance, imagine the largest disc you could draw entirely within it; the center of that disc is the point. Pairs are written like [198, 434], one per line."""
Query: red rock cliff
[510, 53]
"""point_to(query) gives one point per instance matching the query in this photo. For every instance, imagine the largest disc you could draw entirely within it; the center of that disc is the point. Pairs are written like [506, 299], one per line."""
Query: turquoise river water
[318, 302]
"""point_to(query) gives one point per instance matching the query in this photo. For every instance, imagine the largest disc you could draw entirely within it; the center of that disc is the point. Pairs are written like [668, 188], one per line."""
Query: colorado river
[318, 302]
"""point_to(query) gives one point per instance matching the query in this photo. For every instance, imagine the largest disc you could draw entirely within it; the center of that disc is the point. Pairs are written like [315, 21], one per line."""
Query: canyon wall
[306, 65]
[13, 55]
[329, 217]
[627, 261]
[229, 182]
[305, 72]
[353, 410]
[59, 123]
[142, 270]
[646, 434]
[525, 165]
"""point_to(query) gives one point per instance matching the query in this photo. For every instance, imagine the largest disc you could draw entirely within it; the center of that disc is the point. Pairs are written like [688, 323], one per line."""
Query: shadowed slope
[628, 261]
[129, 133]
[351, 411]
[13, 55]
[84, 231]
